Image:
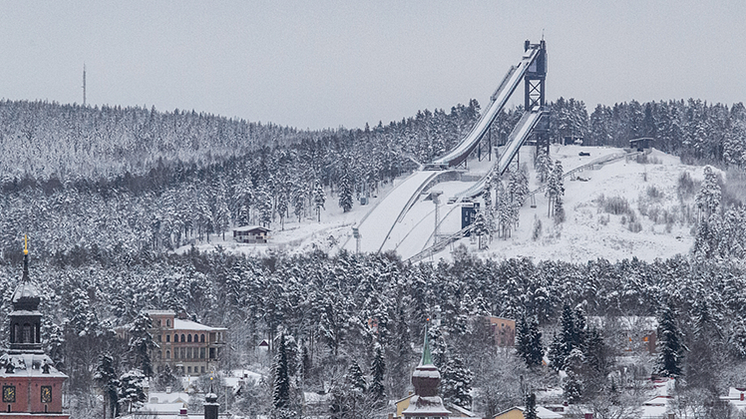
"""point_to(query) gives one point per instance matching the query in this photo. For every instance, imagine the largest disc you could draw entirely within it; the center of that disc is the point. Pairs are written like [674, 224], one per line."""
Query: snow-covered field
[588, 232]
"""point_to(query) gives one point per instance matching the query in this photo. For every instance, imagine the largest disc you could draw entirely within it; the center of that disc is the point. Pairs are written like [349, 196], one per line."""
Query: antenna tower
[83, 84]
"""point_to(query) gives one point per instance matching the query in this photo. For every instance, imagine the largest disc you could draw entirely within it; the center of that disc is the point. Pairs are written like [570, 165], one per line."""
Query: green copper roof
[426, 357]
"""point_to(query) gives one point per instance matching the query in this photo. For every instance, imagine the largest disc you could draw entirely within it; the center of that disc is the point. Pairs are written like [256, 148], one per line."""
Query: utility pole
[436, 200]
[356, 234]
[83, 84]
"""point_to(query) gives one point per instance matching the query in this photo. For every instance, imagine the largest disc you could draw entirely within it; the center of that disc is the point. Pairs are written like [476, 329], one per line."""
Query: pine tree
[281, 392]
[378, 369]
[543, 165]
[530, 411]
[479, 228]
[518, 186]
[528, 341]
[709, 195]
[355, 377]
[141, 344]
[670, 348]
[345, 192]
[106, 378]
[131, 391]
[319, 199]
[456, 383]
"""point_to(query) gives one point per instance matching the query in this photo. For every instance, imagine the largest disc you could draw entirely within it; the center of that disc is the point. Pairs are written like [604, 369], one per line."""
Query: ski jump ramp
[375, 229]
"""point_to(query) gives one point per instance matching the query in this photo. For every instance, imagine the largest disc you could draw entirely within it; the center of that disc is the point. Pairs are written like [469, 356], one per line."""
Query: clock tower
[31, 386]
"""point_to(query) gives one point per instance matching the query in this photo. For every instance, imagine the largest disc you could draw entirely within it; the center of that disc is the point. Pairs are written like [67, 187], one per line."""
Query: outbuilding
[251, 234]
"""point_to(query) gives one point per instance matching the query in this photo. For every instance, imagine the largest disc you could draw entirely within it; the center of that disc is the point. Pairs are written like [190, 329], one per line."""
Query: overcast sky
[318, 64]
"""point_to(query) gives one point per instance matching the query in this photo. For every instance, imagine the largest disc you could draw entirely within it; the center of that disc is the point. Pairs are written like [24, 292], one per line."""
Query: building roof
[26, 296]
[182, 324]
[541, 412]
[160, 312]
[462, 411]
[252, 228]
[28, 365]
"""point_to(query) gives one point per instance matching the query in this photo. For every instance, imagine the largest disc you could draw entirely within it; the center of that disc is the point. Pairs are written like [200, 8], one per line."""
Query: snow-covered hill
[652, 219]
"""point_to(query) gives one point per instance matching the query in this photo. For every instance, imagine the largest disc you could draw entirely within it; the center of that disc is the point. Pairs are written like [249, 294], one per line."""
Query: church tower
[426, 403]
[31, 386]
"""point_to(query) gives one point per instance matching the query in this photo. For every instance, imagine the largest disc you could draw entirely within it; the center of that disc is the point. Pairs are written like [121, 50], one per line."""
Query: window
[212, 353]
[168, 338]
[202, 369]
[159, 322]
[196, 338]
[159, 338]
[9, 394]
[189, 370]
[26, 333]
[183, 353]
[176, 338]
[168, 322]
[202, 353]
[176, 353]
[46, 394]
[202, 338]
[189, 338]
[182, 338]
[189, 353]
[168, 354]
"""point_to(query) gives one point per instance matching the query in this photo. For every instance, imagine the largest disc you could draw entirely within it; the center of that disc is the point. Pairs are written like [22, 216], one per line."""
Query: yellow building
[186, 346]
[516, 412]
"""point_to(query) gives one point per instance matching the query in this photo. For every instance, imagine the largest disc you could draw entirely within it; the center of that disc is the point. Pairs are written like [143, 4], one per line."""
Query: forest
[107, 193]
[87, 182]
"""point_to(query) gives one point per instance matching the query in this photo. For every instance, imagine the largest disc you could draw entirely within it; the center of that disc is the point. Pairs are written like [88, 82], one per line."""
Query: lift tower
[535, 93]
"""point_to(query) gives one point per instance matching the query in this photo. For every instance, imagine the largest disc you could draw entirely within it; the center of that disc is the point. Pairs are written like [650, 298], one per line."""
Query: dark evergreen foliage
[670, 345]
[528, 341]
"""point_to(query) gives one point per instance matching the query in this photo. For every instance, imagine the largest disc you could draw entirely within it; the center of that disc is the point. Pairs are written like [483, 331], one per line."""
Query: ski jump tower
[374, 231]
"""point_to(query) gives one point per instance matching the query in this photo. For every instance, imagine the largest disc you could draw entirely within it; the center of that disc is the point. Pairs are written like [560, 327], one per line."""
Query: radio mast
[83, 84]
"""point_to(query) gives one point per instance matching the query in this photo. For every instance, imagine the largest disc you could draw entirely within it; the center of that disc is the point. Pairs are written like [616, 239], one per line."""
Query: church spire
[427, 358]
[25, 259]
[425, 379]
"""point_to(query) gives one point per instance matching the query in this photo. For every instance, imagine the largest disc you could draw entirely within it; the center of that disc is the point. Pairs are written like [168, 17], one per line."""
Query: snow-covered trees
[281, 406]
[555, 189]
[543, 165]
[528, 341]
[709, 195]
[345, 192]
[378, 369]
[141, 344]
[480, 228]
[456, 383]
[106, 378]
[670, 345]
[319, 199]
[131, 391]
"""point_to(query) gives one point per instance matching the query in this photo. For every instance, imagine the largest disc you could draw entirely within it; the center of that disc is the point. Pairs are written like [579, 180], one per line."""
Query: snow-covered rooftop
[183, 324]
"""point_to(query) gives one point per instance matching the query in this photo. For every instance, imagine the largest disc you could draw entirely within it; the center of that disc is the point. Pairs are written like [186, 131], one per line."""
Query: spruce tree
[106, 378]
[530, 410]
[345, 192]
[709, 195]
[670, 348]
[319, 199]
[456, 383]
[528, 341]
[281, 392]
[141, 344]
[378, 370]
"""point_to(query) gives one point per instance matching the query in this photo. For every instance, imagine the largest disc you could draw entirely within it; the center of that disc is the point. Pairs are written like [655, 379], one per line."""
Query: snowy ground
[588, 232]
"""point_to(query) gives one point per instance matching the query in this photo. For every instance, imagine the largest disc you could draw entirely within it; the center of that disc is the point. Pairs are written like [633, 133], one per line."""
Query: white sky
[317, 64]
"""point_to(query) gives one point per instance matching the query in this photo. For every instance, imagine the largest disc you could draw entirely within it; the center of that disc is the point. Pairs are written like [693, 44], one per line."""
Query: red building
[31, 386]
